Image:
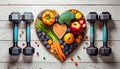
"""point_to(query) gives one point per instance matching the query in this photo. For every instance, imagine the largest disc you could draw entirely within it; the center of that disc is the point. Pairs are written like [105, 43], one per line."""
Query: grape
[48, 46]
[45, 42]
[63, 50]
[57, 16]
[66, 53]
[42, 37]
[56, 20]
[71, 46]
[47, 37]
[68, 30]
[43, 33]
[66, 48]
[39, 34]
[64, 44]
[61, 42]
[70, 50]
[38, 31]
[75, 44]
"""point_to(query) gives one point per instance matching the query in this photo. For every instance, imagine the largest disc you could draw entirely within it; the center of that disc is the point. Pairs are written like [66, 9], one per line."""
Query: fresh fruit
[75, 28]
[81, 21]
[69, 38]
[66, 53]
[47, 37]
[78, 41]
[42, 37]
[79, 36]
[68, 29]
[78, 15]
[38, 31]
[61, 42]
[64, 33]
[43, 33]
[50, 42]
[71, 45]
[48, 46]
[48, 17]
[59, 30]
[62, 46]
[45, 43]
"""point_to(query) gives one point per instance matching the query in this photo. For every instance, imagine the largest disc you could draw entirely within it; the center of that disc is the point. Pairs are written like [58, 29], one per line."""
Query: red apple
[75, 28]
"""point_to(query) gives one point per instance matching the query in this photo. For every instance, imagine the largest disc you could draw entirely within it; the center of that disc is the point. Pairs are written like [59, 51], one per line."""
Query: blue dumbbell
[15, 18]
[92, 17]
[104, 18]
[28, 18]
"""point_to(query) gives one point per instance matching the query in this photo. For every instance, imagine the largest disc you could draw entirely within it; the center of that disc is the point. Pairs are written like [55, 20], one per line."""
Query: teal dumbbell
[28, 18]
[15, 18]
[92, 17]
[105, 17]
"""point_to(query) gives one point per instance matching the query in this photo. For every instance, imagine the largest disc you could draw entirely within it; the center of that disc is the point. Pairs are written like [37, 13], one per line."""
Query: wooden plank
[6, 34]
[36, 9]
[60, 2]
[59, 66]
[81, 51]
[8, 25]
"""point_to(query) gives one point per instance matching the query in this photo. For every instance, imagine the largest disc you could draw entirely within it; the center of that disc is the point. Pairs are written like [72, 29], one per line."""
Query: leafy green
[66, 17]
[39, 25]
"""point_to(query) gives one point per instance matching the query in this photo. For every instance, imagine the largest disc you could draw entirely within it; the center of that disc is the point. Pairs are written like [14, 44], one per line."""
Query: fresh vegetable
[48, 17]
[69, 38]
[75, 28]
[57, 48]
[40, 25]
[66, 17]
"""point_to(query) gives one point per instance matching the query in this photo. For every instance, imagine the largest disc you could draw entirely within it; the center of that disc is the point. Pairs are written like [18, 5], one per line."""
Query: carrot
[60, 51]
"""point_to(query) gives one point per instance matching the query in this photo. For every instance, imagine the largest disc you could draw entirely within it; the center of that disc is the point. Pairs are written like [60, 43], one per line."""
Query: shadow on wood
[27, 59]
[14, 59]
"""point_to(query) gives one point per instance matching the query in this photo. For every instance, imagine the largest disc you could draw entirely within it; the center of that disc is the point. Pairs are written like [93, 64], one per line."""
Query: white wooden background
[35, 6]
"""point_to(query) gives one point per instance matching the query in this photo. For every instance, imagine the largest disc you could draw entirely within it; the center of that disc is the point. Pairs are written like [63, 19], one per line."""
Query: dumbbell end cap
[92, 51]
[92, 17]
[15, 51]
[105, 51]
[105, 17]
[28, 17]
[15, 17]
[28, 51]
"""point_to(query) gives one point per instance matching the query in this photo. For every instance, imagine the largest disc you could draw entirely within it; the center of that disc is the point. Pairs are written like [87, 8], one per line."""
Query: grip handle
[15, 33]
[105, 33]
[92, 33]
[28, 35]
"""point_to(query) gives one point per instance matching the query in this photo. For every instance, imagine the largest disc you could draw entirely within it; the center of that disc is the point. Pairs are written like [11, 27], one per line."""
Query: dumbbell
[92, 17]
[15, 18]
[105, 17]
[28, 18]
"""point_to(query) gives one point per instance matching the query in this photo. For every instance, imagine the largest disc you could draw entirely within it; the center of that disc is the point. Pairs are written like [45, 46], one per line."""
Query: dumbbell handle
[92, 34]
[28, 34]
[105, 34]
[15, 34]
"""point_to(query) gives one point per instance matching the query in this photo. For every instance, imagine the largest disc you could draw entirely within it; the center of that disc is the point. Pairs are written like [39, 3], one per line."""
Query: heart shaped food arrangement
[60, 34]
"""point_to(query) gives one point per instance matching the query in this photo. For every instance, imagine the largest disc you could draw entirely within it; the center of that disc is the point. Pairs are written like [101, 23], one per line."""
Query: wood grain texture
[60, 9]
[60, 2]
[37, 62]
